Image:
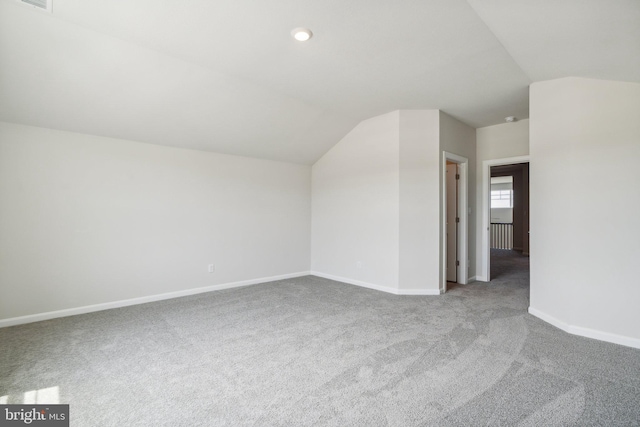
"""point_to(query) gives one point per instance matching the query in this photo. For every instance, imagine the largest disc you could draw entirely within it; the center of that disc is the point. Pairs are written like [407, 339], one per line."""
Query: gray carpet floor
[311, 351]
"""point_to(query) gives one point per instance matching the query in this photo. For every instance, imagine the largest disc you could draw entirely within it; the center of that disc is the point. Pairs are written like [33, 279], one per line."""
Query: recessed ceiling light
[510, 119]
[301, 34]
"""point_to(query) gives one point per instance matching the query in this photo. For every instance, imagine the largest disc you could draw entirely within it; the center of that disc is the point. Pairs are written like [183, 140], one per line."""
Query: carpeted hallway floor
[311, 351]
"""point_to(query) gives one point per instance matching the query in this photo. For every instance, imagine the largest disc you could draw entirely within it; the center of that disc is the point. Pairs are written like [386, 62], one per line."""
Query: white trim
[485, 274]
[586, 332]
[549, 319]
[463, 226]
[355, 282]
[418, 292]
[141, 300]
[387, 289]
[472, 279]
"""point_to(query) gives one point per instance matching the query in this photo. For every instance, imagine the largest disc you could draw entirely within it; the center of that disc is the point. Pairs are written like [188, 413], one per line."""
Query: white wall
[376, 201]
[89, 220]
[355, 220]
[502, 141]
[492, 143]
[460, 139]
[585, 151]
[419, 201]
[502, 215]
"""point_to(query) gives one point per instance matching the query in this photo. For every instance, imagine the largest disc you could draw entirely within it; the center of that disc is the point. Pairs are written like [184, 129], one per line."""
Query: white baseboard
[549, 319]
[586, 332]
[387, 289]
[418, 292]
[141, 300]
[472, 279]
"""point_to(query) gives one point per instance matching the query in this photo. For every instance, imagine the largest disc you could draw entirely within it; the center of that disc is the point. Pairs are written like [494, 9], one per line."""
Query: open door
[454, 220]
[452, 177]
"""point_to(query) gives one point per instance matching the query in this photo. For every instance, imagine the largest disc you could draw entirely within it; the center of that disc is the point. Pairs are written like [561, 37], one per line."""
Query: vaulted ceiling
[226, 75]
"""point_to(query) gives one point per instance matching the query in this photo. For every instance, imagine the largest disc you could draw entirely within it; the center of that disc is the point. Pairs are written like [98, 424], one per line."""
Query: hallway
[509, 265]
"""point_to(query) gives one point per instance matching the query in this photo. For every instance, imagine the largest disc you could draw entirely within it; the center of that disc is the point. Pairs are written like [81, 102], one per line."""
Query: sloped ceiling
[226, 76]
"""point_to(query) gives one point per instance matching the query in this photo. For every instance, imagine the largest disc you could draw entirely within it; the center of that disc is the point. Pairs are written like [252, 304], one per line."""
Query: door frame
[451, 199]
[463, 226]
[485, 274]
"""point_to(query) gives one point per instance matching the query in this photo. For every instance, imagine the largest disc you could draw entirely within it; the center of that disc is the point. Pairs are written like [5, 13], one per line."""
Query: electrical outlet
[212, 268]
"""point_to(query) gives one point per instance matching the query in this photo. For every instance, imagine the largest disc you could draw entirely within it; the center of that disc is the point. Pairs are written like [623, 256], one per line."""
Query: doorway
[500, 231]
[454, 220]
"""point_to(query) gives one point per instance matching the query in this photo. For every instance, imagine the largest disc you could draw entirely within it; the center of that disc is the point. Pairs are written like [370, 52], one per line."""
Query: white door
[452, 224]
